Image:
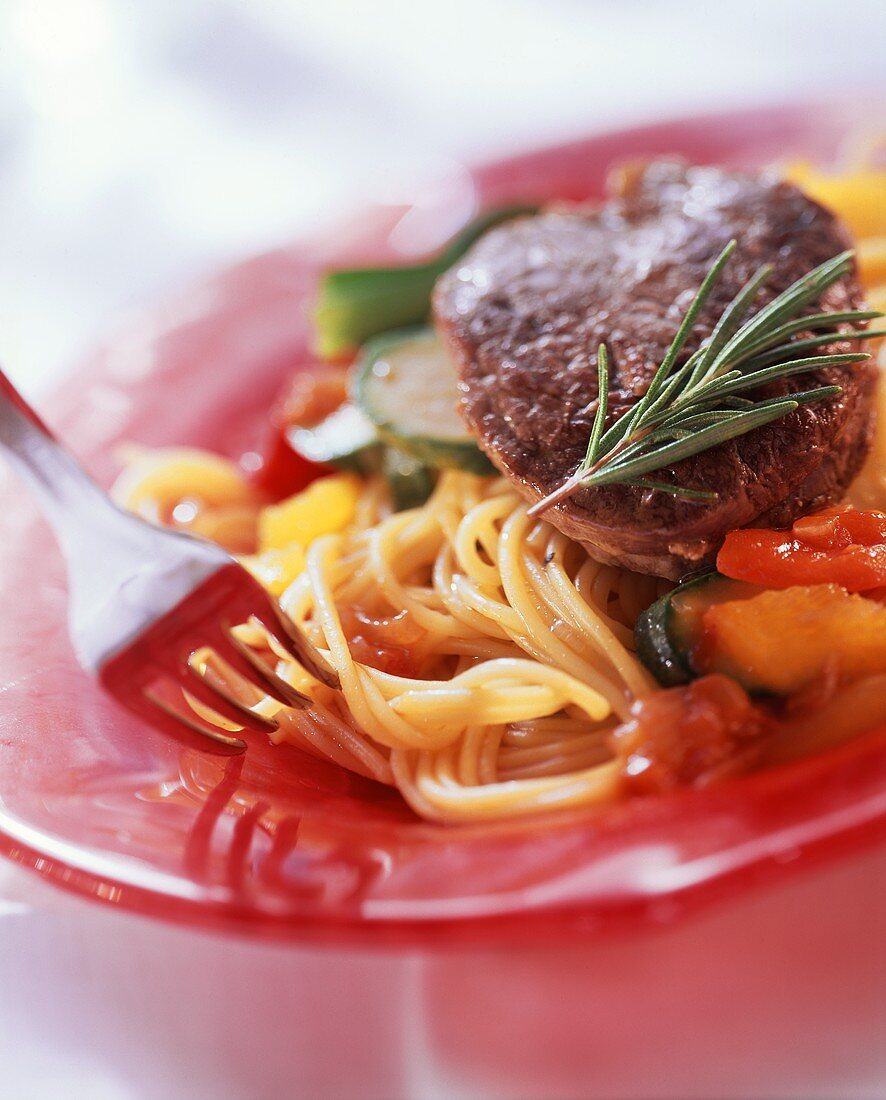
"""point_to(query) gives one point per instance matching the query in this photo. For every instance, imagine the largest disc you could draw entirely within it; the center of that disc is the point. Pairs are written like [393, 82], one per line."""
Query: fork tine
[170, 718]
[244, 659]
[217, 697]
[295, 643]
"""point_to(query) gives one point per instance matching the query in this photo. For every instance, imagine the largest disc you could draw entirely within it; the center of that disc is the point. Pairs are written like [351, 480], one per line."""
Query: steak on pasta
[525, 310]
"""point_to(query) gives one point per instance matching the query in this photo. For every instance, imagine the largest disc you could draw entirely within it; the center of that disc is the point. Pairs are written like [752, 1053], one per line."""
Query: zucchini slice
[407, 386]
[357, 303]
[346, 439]
[409, 481]
[667, 633]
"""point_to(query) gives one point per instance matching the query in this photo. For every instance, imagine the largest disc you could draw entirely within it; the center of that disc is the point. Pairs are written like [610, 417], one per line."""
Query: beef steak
[525, 310]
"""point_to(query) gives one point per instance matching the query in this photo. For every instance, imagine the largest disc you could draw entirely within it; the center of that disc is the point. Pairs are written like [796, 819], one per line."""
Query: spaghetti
[518, 646]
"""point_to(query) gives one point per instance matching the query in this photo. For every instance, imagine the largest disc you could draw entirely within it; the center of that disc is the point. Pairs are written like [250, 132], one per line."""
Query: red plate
[276, 841]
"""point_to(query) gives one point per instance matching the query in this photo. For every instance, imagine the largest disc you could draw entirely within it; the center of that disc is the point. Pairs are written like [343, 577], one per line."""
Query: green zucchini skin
[657, 648]
[357, 303]
[380, 398]
[667, 632]
[441, 455]
[410, 483]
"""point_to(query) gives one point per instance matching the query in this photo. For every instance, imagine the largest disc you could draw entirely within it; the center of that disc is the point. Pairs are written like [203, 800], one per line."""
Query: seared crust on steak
[525, 310]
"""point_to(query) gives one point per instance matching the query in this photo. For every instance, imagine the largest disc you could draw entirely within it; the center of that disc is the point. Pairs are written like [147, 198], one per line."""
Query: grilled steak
[525, 310]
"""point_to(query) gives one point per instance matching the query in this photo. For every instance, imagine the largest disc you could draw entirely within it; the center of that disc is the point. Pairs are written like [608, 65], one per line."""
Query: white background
[143, 143]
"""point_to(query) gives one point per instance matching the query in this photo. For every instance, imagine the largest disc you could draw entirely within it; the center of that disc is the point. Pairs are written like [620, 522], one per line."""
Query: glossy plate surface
[274, 841]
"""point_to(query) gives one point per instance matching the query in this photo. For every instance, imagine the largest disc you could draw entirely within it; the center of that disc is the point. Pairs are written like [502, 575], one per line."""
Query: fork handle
[60, 484]
[124, 573]
[13, 397]
[9, 394]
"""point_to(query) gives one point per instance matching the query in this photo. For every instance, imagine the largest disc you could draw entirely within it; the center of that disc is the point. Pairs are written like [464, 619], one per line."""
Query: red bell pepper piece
[837, 546]
[315, 391]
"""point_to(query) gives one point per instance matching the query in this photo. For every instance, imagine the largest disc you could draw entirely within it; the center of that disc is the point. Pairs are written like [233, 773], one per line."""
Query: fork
[146, 602]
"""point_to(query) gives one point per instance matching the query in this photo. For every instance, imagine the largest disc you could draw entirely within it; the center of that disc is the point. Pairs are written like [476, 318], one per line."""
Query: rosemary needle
[691, 408]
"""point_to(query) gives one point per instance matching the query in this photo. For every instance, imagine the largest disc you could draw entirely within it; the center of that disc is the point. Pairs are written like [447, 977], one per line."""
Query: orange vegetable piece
[872, 261]
[314, 394]
[857, 197]
[876, 298]
[836, 546]
[780, 641]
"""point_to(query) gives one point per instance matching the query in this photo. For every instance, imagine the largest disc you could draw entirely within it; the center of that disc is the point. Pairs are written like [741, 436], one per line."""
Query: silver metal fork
[144, 601]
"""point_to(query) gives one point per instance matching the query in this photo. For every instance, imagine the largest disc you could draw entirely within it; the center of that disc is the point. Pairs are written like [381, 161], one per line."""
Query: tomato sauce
[384, 643]
[688, 736]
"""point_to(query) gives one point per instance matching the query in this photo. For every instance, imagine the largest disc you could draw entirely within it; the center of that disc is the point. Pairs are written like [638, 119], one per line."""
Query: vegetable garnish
[694, 407]
[358, 303]
[407, 386]
[667, 634]
[836, 546]
[784, 640]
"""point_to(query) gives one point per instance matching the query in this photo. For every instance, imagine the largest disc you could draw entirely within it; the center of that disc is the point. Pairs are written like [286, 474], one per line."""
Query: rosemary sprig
[690, 408]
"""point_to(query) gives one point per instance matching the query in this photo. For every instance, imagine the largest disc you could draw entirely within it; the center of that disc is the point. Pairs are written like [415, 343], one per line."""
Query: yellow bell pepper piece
[875, 297]
[872, 260]
[859, 198]
[325, 507]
